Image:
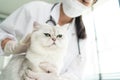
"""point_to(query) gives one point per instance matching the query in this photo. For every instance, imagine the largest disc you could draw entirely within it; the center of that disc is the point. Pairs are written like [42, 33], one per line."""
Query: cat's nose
[53, 39]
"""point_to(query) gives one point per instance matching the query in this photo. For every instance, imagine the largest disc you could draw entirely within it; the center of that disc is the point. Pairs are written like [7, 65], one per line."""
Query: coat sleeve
[76, 69]
[14, 26]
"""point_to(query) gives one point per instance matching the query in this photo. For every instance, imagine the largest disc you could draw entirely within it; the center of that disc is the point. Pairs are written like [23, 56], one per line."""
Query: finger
[25, 77]
[31, 74]
[12, 45]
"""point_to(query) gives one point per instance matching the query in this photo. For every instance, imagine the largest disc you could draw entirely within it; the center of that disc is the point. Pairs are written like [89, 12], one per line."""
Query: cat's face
[50, 36]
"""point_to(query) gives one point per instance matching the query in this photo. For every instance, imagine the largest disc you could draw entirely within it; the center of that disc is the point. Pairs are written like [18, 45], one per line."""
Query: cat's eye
[59, 36]
[47, 34]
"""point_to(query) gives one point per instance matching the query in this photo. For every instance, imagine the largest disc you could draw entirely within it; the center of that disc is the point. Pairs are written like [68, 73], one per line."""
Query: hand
[30, 75]
[13, 47]
[48, 68]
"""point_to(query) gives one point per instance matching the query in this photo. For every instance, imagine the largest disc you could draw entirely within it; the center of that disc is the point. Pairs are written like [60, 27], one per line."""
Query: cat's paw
[30, 75]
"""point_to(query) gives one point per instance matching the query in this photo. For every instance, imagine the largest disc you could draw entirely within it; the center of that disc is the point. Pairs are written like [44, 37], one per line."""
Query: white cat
[45, 54]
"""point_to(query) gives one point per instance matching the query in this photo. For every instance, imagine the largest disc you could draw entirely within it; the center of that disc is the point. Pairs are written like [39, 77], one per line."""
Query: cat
[45, 54]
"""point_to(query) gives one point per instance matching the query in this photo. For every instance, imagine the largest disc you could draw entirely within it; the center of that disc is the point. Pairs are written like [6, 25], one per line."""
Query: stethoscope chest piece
[51, 20]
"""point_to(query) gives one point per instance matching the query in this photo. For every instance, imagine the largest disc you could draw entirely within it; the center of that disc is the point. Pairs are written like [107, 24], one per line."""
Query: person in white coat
[19, 25]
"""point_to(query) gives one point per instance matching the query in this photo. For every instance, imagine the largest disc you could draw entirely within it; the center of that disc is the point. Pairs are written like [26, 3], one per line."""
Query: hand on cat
[48, 68]
[13, 47]
[30, 75]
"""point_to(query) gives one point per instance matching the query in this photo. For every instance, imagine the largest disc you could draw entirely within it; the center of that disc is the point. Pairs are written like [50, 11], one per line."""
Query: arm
[13, 27]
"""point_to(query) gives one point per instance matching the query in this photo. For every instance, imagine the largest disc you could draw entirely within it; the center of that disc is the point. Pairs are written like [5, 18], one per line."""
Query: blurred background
[103, 22]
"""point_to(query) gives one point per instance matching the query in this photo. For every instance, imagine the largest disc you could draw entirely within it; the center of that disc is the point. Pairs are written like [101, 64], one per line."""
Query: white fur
[11, 71]
[43, 50]
[42, 55]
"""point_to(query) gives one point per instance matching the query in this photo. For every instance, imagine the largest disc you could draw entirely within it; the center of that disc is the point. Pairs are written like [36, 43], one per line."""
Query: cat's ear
[36, 26]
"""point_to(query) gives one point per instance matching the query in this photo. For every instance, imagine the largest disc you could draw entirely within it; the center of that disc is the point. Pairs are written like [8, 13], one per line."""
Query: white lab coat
[20, 23]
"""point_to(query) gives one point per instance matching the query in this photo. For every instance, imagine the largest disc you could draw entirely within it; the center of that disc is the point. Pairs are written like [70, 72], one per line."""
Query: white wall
[8, 6]
[107, 22]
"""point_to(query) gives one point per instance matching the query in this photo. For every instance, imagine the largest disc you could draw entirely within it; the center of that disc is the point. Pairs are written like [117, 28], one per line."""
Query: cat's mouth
[53, 43]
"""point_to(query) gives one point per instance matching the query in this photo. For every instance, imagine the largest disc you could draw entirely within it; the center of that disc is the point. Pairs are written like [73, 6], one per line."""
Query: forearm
[3, 42]
[4, 39]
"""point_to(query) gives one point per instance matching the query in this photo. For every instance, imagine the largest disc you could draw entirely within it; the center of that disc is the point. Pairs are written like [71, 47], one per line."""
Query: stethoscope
[54, 23]
[51, 18]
